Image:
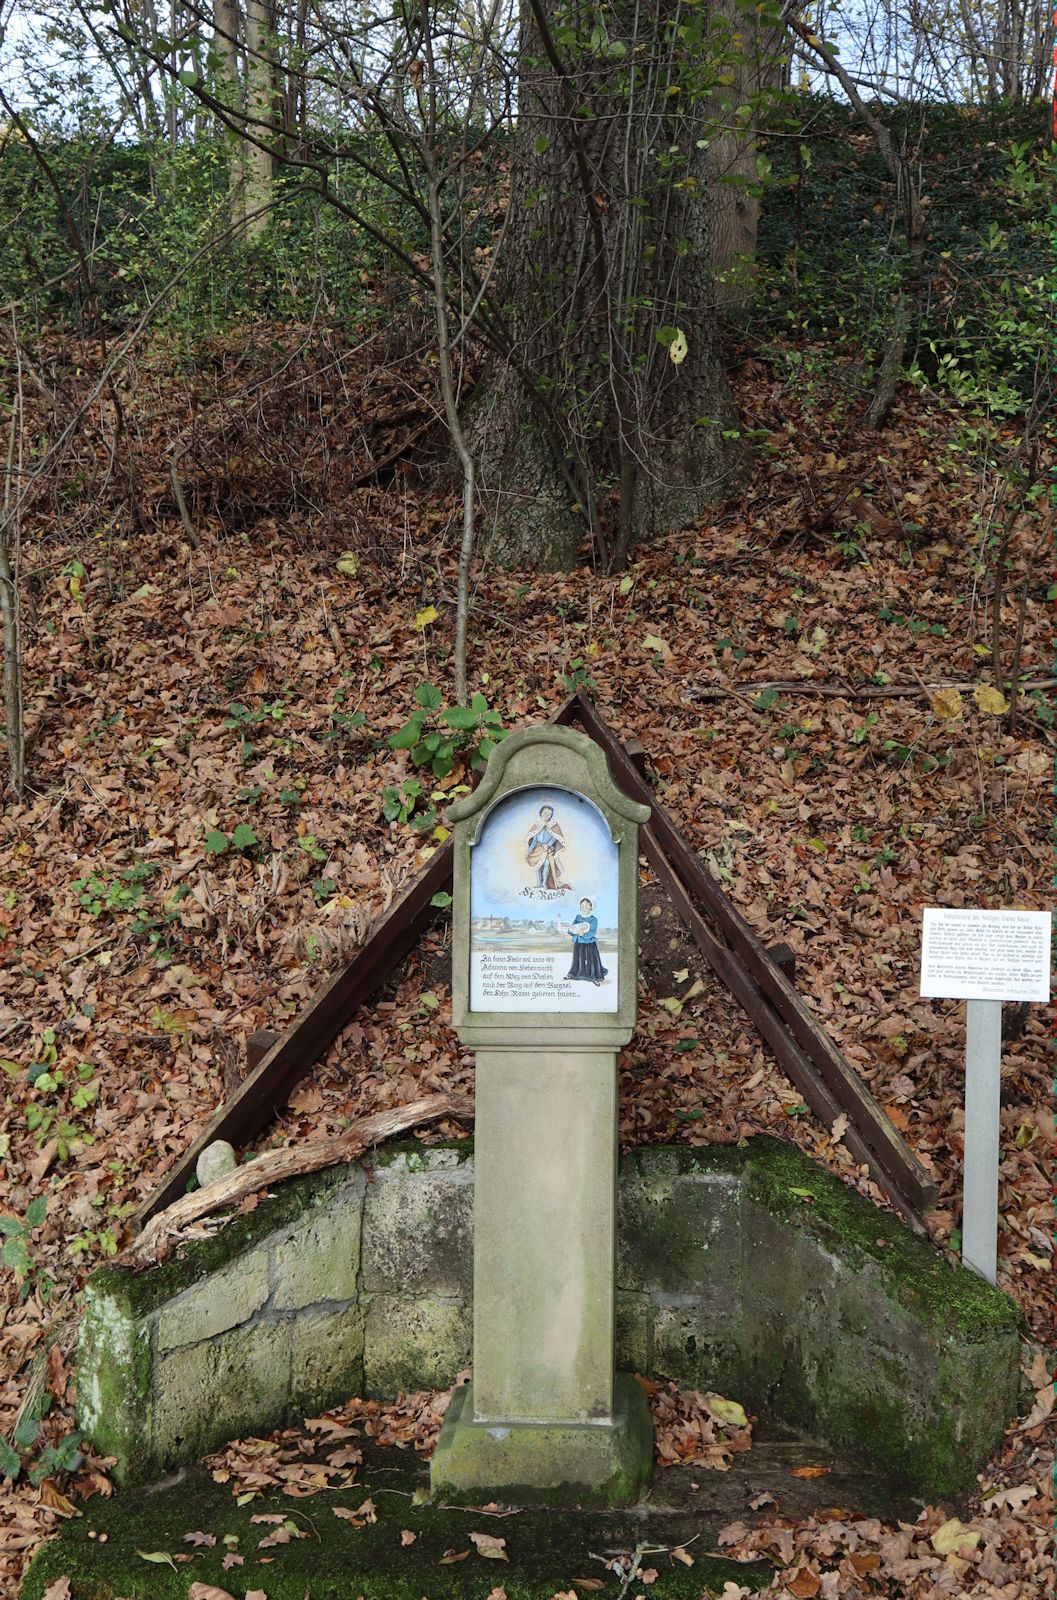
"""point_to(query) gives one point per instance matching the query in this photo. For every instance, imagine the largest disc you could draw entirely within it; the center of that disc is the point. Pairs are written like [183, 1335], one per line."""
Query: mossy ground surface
[546, 1550]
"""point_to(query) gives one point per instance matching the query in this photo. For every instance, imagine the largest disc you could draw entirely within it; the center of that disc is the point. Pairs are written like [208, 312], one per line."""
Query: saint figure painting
[542, 849]
[544, 905]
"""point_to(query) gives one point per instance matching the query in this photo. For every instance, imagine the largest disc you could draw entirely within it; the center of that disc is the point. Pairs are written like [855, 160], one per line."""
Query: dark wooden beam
[636, 752]
[889, 1151]
[268, 1086]
[797, 1066]
[784, 959]
[257, 1046]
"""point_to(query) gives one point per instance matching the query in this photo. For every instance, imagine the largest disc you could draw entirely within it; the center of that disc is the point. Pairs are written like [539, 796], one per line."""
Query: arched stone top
[525, 754]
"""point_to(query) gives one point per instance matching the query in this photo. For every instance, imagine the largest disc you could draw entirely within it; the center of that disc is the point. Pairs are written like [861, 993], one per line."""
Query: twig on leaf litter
[636, 1562]
[848, 691]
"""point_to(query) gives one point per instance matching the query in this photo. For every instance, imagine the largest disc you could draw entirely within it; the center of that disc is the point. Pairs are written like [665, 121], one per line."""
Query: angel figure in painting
[586, 963]
[542, 848]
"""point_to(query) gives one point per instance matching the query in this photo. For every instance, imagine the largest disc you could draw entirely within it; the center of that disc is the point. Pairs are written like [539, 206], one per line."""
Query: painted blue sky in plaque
[543, 906]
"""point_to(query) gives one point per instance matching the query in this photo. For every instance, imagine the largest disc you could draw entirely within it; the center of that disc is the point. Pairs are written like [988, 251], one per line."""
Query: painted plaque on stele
[544, 905]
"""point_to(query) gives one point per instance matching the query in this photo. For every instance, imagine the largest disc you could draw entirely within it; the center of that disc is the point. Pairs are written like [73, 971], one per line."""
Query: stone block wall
[252, 1327]
[417, 1277]
[745, 1270]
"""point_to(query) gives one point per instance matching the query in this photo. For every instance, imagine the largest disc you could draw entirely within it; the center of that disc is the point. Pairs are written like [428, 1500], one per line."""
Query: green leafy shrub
[242, 837]
[400, 804]
[438, 738]
[56, 1103]
[16, 1232]
[830, 264]
[123, 893]
[59, 1455]
[442, 740]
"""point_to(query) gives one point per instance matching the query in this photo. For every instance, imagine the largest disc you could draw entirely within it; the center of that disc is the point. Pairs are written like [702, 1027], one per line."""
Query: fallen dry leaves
[288, 1459]
[181, 693]
[994, 1558]
[700, 1430]
[489, 1546]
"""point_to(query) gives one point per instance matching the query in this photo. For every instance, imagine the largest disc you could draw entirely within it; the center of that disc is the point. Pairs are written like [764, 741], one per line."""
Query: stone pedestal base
[542, 1463]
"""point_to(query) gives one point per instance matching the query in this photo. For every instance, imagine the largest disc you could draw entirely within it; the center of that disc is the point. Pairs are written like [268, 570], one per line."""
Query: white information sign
[985, 955]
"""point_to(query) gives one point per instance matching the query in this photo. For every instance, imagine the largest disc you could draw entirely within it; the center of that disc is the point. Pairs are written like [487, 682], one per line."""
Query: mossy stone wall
[747, 1270]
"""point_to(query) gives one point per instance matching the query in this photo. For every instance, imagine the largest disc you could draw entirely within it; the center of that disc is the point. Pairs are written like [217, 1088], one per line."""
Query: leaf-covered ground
[204, 838]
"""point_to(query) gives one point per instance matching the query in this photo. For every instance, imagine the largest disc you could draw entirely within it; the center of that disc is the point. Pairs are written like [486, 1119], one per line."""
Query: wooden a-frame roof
[814, 1065]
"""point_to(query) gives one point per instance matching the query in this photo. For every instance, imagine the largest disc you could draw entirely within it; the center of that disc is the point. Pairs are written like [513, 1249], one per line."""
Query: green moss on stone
[634, 1329]
[140, 1293]
[678, 1228]
[208, 1393]
[935, 1452]
[327, 1362]
[928, 1283]
[712, 1160]
[401, 1149]
[867, 1337]
[697, 1348]
[114, 1381]
[656, 1162]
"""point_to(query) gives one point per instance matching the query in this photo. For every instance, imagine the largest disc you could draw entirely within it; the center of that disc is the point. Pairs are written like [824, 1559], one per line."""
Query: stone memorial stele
[545, 940]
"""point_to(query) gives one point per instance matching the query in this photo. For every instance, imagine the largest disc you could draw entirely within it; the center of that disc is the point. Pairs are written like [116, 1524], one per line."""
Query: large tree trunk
[260, 109]
[734, 197]
[591, 430]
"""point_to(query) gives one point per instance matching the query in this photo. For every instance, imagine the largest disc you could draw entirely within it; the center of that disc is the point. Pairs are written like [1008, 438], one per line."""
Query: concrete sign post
[544, 988]
[984, 958]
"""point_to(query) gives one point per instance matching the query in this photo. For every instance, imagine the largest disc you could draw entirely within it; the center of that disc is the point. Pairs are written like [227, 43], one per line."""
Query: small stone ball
[216, 1161]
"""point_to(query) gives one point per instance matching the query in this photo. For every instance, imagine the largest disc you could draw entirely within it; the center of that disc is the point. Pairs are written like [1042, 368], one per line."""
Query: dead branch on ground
[158, 1237]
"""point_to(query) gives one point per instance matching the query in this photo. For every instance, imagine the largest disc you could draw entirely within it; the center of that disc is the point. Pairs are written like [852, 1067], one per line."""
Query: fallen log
[164, 1227]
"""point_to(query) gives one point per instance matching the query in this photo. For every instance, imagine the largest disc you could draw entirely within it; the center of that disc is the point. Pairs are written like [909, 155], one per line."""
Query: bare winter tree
[969, 51]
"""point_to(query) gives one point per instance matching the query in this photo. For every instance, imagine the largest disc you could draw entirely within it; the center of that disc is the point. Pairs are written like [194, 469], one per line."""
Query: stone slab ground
[546, 1549]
